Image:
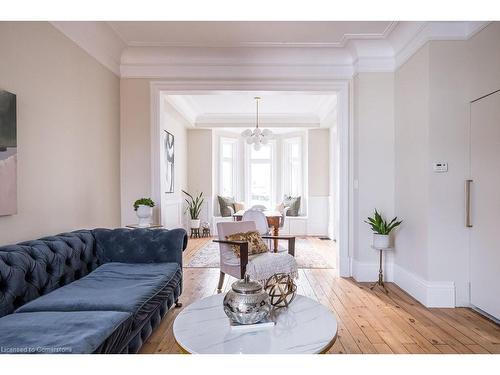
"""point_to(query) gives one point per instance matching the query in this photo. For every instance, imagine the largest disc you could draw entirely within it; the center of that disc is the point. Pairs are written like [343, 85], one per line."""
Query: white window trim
[285, 164]
[248, 147]
[235, 164]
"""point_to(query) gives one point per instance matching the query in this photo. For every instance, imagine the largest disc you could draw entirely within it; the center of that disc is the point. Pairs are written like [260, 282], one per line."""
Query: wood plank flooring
[368, 321]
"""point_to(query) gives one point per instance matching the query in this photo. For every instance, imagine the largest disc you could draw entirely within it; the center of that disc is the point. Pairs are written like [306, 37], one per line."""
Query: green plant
[194, 205]
[143, 201]
[380, 226]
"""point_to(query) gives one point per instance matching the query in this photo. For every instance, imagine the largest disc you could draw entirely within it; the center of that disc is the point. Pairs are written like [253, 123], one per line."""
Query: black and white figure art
[8, 154]
[169, 162]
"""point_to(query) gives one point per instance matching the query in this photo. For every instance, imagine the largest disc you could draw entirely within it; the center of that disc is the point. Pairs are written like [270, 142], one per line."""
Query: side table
[380, 281]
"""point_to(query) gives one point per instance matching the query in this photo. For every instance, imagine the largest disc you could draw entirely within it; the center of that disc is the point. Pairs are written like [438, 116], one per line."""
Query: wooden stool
[205, 232]
[195, 232]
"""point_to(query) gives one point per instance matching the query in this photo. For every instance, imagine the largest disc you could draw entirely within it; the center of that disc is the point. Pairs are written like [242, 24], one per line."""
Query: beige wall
[201, 168]
[173, 212]
[433, 115]
[135, 153]
[135, 145]
[373, 157]
[68, 133]
[412, 162]
[318, 162]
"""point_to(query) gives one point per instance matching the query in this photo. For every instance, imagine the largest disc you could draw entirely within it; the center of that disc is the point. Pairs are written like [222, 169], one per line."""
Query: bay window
[260, 175]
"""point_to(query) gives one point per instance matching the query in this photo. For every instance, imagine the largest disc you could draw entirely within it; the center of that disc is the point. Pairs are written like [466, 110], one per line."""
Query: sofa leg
[221, 281]
[177, 303]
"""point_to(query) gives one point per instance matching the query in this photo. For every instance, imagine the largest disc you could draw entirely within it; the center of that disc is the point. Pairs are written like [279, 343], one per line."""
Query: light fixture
[257, 137]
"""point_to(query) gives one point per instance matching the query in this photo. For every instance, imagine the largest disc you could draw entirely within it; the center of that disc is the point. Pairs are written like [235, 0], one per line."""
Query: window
[292, 166]
[228, 162]
[260, 172]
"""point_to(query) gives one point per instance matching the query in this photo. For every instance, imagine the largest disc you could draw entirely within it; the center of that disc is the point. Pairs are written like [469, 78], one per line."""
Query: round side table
[306, 327]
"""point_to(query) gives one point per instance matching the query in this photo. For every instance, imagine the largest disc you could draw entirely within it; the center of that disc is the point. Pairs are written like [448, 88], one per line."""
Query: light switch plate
[440, 167]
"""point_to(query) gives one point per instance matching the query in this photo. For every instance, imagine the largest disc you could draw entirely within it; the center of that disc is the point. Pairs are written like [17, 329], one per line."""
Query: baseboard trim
[429, 293]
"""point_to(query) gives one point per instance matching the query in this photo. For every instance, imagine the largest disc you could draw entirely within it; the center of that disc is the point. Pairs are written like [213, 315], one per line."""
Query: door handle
[468, 222]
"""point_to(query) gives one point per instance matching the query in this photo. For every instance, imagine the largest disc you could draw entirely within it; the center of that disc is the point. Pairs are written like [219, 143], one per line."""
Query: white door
[485, 204]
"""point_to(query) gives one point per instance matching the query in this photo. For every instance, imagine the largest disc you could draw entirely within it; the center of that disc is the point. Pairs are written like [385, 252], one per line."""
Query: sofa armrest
[140, 245]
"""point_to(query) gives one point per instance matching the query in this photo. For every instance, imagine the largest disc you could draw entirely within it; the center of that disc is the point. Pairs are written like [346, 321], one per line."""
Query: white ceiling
[224, 34]
[268, 50]
[239, 109]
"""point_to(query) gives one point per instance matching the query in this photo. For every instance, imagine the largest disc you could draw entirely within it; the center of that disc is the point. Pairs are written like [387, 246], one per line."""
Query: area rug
[306, 254]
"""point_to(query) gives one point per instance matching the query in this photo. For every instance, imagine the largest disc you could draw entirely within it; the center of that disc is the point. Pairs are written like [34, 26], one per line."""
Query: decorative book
[263, 324]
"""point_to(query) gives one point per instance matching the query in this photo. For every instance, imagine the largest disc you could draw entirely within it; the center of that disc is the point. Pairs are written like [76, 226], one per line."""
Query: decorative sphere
[257, 146]
[264, 140]
[250, 140]
[256, 131]
[281, 289]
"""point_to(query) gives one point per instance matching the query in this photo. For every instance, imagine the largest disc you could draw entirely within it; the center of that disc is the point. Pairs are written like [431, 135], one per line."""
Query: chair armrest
[290, 239]
[243, 253]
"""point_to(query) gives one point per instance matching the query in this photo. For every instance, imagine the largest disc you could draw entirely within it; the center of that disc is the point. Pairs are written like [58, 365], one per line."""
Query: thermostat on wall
[440, 167]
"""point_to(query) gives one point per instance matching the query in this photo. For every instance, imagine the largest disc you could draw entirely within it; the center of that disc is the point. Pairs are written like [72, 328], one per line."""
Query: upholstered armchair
[236, 266]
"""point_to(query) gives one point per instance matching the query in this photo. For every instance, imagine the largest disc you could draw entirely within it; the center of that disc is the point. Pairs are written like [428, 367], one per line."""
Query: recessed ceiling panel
[228, 33]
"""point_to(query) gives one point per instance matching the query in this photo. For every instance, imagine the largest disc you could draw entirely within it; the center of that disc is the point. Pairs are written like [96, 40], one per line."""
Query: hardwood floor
[369, 321]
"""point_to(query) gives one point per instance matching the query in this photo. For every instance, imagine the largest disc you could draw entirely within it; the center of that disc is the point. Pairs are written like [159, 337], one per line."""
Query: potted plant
[381, 229]
[143, 207]
[194, 208]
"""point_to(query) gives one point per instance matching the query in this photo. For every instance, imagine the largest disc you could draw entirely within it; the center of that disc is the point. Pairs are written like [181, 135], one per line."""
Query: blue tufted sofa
[88, 291]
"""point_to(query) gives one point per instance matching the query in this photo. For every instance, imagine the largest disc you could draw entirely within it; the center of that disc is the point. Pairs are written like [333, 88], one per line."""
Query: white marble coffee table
[305, 327]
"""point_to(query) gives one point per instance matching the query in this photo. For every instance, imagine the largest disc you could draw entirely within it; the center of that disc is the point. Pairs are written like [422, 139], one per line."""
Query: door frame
[342, 88]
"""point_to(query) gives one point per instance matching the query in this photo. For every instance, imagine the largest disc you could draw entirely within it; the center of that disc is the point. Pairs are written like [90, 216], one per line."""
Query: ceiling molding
[344, 40]
[97, 39]
[355, 53]
[429, 31]
[223, 119]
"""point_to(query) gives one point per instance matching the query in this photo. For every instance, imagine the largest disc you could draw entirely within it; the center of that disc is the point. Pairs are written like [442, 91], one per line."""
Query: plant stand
[380, 281]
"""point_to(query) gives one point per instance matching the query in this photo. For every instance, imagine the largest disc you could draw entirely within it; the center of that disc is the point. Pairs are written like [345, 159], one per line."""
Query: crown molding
[97, 39]
[244, 119]
[356, 53]
[422, 32]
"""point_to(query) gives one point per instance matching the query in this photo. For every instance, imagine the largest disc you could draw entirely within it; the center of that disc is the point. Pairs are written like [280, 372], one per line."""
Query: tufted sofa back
[34, 268]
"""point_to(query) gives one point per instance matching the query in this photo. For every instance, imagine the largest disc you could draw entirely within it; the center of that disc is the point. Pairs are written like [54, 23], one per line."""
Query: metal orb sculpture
[281, 289]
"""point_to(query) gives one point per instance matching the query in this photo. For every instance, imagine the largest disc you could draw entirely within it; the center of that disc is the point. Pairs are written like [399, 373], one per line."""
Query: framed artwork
[8, 154]
[169, 162]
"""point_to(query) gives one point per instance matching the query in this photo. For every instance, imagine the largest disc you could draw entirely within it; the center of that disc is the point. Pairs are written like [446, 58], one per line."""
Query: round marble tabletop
[306, 327]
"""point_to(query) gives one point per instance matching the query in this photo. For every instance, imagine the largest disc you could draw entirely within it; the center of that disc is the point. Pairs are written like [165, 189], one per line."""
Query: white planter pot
[144, 213]
[381, 241]
[195, 223]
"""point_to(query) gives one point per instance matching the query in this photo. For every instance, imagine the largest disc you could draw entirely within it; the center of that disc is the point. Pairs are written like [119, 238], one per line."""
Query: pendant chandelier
[257, 137]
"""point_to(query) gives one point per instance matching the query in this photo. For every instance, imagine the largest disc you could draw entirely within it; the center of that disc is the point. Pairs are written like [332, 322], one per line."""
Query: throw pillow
[239, 206]
[255, 243]
[224, 202]
[294, 205]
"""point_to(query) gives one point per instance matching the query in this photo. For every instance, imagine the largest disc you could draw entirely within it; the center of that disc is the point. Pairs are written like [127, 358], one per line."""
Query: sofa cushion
[134, 288]
[64, 332]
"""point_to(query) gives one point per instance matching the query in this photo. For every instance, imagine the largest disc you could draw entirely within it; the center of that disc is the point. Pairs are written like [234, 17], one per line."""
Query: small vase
[144, 213]
[195, 223]
[381, 241]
